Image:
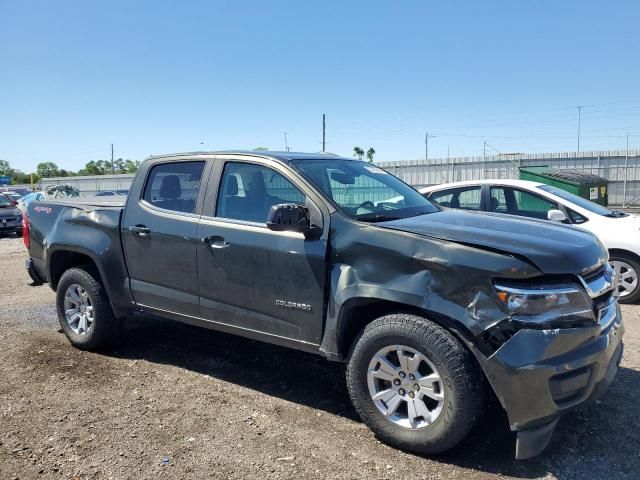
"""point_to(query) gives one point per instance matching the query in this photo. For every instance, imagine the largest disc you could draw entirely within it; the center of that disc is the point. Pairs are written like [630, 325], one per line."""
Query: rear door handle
[216, 241]
[140, 230]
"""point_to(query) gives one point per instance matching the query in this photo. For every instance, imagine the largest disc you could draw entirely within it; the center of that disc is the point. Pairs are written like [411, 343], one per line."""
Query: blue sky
[163, 76]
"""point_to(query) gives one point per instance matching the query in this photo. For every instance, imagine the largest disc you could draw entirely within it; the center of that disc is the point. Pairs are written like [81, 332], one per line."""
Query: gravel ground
[176, 402]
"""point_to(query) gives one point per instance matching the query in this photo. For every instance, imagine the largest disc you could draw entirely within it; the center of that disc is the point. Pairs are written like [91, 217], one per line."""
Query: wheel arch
[62, 258]
[624, 253]
[358, 312]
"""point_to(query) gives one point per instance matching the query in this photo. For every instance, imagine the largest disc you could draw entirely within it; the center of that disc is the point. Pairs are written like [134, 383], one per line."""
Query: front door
[159, 231]
[254, 278]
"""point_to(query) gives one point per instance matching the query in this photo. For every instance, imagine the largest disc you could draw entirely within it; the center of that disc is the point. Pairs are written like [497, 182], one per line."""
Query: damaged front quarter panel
[445, 279]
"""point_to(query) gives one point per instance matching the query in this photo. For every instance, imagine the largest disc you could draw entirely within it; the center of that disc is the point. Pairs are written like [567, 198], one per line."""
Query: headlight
[558, 305]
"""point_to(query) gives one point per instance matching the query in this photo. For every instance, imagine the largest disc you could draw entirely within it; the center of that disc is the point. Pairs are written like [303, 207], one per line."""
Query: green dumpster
[586, 185]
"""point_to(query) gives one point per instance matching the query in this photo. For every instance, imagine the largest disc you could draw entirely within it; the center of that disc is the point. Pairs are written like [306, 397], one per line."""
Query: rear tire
[84, 311]
[459, 388]
[628, 267]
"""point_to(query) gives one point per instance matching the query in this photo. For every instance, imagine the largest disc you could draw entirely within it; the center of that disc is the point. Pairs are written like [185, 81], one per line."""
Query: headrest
[231, 186]
[170, 188]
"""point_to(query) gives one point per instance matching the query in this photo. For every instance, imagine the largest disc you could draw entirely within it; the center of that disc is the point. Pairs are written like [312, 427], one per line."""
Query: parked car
[429, 308]
[10, 216]
[19, 190]
[619, 232]
[24, 202]
[53, 191]
[12, 196]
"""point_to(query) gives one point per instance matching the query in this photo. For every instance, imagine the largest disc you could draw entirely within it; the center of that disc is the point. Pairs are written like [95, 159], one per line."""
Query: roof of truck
[281, 156]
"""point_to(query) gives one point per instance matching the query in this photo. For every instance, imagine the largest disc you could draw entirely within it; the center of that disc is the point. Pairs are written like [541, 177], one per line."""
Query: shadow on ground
[595, 441]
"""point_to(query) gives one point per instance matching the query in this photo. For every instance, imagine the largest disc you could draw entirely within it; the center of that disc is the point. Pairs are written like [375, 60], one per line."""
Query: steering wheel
[366, 204]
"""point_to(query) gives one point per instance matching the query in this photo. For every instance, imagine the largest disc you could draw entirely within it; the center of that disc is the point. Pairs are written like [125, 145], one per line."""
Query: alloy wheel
[627, 277]
[405, 386]
[78, 309]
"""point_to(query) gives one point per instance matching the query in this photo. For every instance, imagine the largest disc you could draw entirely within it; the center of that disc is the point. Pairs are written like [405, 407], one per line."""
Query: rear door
[515, 201]
[252, 277]
[159, 233]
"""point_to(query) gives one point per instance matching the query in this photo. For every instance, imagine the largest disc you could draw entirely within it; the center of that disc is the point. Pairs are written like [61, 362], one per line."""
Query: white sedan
[619, 232]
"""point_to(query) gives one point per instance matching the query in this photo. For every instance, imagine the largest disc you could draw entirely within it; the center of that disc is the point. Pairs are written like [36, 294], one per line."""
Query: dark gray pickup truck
[429, 308]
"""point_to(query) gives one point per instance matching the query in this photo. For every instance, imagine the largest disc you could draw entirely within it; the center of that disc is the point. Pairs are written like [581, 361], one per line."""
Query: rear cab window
[174, 186]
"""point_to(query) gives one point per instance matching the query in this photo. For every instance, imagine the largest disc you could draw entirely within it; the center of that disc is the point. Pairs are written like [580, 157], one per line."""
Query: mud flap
[532, 442]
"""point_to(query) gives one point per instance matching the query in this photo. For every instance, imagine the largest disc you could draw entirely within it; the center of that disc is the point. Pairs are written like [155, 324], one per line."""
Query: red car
[12, 196]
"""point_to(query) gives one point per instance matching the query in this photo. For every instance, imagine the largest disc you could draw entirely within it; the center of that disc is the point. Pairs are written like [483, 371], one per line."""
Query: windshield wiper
[377, 217]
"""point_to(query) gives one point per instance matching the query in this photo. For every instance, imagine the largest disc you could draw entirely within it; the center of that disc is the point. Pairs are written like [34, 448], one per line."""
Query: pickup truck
[430, 309]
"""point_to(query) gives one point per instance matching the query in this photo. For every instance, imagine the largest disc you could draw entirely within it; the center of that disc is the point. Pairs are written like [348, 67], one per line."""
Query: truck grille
[601, 284]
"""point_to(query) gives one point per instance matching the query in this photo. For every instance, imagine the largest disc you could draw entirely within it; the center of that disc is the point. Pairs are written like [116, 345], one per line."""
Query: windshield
[582, 202]
[4, 201]
[363, 191]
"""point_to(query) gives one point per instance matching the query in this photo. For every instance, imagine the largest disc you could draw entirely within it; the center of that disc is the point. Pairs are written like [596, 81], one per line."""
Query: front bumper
[14, 224]
[540, 374]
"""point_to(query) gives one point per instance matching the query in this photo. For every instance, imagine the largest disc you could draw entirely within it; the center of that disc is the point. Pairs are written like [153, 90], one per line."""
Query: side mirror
[556, 216]
[290, 217]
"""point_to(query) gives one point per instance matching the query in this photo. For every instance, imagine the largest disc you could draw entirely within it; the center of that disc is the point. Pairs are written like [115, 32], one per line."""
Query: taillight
[25, 230]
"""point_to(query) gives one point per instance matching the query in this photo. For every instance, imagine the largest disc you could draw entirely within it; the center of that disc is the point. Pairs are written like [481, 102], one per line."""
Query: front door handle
[216, 241]
[140, 230]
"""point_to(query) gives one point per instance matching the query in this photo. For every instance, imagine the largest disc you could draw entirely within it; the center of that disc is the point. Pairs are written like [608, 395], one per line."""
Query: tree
[370, 153]
[358, 152]
[131, 166]
[47, 170]
[5, 168]
[21, 178]
[261, 149]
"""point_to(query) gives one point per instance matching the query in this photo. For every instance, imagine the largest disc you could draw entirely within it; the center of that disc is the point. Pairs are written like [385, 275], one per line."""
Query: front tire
[84, 311]
[413, 384]
[628, 270]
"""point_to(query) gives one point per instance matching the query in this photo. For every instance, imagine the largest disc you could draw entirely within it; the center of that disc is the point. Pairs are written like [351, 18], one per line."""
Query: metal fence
[89, 185]
[620, 167]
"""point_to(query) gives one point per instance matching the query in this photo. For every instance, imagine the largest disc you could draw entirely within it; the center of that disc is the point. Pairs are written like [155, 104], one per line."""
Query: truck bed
[88, 203]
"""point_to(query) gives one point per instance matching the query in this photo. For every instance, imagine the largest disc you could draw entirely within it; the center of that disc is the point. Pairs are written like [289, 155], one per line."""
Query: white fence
[89, 185]
[619, 167]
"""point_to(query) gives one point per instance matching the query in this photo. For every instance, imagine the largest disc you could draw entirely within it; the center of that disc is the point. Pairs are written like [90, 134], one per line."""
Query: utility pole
[286, 145]
[426, 145]
[324, 132]
[579, 107]
[626, 174]
[112, 171]
[484, 151]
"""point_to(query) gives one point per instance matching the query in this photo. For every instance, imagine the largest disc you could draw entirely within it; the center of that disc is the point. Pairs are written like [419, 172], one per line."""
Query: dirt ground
[173, 401]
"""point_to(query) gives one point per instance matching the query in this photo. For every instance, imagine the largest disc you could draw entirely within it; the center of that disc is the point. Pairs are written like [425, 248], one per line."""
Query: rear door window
[466, 198]
[174, 186]
[514, 201]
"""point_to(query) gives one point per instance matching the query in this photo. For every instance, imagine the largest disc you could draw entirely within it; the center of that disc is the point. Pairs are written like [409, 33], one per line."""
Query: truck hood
[552, 248]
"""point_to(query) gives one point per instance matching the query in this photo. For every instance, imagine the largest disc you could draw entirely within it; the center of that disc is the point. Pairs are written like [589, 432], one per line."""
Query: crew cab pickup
[429, 308]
